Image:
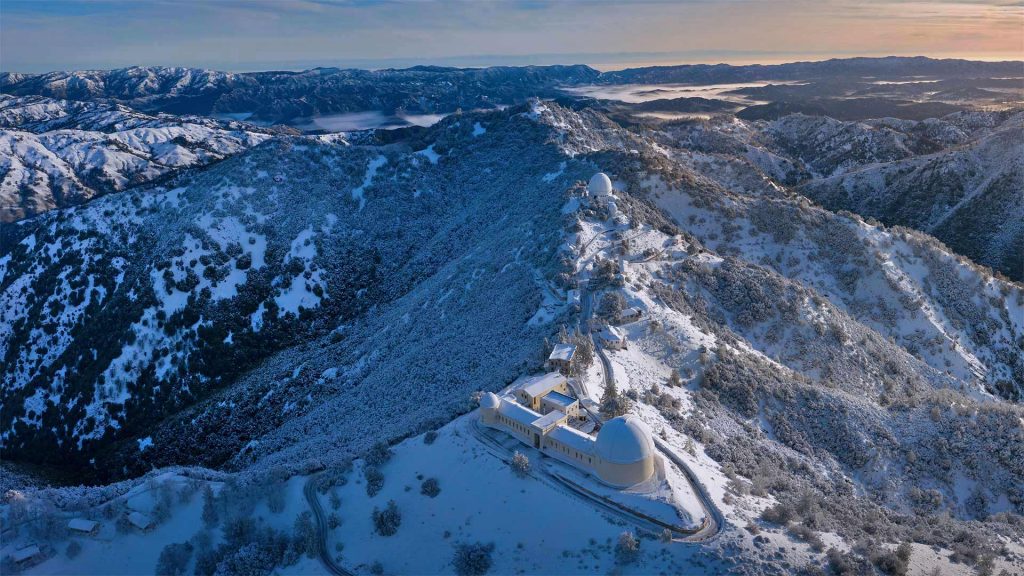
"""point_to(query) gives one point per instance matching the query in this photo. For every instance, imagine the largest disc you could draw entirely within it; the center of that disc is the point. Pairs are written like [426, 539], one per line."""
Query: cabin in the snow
[141, 521]
[83, 527]
[612, 338]
[28, 555]
[631, 314]
[561, 358]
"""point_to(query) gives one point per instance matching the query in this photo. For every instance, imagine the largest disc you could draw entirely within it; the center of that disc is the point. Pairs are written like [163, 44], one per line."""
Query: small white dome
[624, 440]
[600, 185]
[490, 401]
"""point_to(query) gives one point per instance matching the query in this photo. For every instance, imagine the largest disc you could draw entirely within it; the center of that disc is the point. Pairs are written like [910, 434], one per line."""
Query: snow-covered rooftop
[140, 520]
[25, 553]
[573, 438]
[556, 397]
[548, 420]
[612, 333]
[540, 385]
[82, 525]
[562, 352]
[515, 411]
[631, 312]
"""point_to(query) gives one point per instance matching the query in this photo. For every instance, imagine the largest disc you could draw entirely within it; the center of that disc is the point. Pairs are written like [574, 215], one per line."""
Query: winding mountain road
[321, 528]
[713, 519]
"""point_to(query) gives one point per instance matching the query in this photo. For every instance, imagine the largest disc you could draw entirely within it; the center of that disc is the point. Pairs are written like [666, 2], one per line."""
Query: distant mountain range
[281, 97]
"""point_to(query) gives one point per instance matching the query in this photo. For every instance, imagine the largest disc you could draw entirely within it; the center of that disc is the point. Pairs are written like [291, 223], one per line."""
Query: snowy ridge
[58, 153]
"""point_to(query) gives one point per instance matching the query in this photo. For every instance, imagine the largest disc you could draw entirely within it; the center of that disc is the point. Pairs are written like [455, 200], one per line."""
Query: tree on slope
[210, 515]
[612, 403]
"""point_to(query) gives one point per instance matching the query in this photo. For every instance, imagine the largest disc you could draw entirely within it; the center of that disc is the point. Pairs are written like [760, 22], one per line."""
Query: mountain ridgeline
[299, 288]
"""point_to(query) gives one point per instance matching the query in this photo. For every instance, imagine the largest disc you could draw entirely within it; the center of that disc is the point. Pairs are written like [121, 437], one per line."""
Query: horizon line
[613, 61]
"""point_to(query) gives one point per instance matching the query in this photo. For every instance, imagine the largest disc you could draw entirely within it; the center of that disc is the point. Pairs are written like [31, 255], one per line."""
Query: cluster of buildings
[538, 413]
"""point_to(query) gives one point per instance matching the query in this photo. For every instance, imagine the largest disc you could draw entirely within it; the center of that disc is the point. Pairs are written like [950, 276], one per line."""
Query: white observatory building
[600, 185]
[622, 455]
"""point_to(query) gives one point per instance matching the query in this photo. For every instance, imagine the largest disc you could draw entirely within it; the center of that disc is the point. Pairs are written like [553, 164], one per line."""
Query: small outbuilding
[84, 527]
[612, 338]
[27, 555]
[561, 357]
[141, 521]
[631, 314]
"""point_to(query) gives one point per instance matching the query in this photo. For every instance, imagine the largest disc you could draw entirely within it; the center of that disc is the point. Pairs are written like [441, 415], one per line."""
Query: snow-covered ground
[535, 527]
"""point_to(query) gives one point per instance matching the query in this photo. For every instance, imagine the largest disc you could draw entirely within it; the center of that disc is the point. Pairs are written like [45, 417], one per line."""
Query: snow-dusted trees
[174, 559]
[627, 548]
[584, 355]
[674, 379]
[430, 487]
[387, 521]
[374, 480]
[611, 306]
[473, 559]
[612, 403]
[304, 536]
[73, 549]
[211, 516]
[520, 464]
[163, 494]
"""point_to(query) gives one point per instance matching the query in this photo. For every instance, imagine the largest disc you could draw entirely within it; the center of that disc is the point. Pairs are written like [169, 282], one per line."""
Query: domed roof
[600, 185]
[490, 401]
[624, 440]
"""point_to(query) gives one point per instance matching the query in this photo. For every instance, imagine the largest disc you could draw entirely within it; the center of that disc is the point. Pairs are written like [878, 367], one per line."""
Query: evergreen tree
[674, 379]
[210, 515]
[612, 403]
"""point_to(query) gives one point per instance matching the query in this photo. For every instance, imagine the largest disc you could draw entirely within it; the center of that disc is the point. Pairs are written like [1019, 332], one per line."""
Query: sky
[244, 35]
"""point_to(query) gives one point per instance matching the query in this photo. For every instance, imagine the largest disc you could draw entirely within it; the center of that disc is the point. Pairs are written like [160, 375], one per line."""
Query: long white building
[622, 454]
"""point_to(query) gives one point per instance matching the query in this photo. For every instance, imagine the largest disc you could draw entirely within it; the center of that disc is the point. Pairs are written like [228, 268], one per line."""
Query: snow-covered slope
[56, 153]
[838, 382]
[969, 195]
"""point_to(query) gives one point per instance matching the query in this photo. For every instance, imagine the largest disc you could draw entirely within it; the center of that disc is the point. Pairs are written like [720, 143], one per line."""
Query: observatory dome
[624, 440]
[600, 185]
[490, 401]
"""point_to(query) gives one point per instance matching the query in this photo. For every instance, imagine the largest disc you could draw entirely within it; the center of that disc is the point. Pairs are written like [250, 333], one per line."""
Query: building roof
[517, 412]
[548, 420]
[633, 311]
[140, 520]
[624, 440]
[489, 400]
[600, 185]
[562, 352]
[540, 385]
[612, 333]
[573, 438]
[82, 525]
[25, 553]
[556, 397]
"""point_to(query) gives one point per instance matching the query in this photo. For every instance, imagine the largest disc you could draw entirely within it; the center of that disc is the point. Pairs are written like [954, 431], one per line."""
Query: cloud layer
[261, 34]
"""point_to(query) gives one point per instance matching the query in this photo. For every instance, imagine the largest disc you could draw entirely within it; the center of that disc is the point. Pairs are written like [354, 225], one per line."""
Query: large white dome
[490, 401]
[600, 185]
[624, 440]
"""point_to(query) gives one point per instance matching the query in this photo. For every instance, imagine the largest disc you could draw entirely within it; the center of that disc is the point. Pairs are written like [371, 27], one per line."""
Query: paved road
[713, 519]
[571, 489]
[321, 528]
